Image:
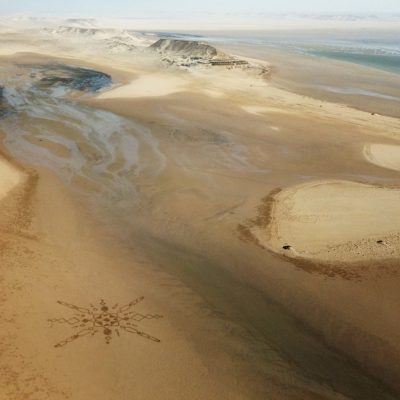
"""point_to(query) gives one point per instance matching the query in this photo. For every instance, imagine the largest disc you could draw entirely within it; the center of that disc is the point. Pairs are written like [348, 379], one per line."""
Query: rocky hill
[185, 48]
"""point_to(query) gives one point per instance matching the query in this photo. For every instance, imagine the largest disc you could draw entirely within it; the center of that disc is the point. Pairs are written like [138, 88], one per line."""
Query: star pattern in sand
[104, 319]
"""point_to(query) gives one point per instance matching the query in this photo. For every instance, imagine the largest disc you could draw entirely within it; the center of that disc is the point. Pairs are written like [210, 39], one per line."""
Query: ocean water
[372, 49]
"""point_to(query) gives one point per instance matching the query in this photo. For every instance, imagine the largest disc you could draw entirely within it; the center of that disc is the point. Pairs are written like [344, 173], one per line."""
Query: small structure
[228, 62]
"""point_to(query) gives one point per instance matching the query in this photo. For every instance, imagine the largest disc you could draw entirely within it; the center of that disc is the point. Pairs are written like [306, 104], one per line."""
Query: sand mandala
[104, 319]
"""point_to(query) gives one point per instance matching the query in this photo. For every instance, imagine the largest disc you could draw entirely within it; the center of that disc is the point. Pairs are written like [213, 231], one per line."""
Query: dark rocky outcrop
[75, 78]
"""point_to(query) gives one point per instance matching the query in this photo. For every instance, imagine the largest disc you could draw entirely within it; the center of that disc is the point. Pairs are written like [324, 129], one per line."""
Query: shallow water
[104, 148]
[385, 62]
[4, 106]
[73, 78]
[359, 92]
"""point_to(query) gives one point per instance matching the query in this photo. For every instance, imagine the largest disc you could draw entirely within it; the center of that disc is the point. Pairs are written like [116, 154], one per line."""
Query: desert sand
[142, 230]
[383, 155]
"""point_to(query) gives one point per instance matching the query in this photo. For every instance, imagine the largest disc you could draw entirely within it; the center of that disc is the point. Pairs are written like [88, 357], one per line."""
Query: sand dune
[147, 85]
[334, 220]
[384, 155]
[9, 177]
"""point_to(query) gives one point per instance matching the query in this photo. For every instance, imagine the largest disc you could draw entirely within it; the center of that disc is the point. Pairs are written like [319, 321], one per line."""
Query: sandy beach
[193, 232]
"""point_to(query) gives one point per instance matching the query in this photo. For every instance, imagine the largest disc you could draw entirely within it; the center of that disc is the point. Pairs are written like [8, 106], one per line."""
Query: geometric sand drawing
[104, 319]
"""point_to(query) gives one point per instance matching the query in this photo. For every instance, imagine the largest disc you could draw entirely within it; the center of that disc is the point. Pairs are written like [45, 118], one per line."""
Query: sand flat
[383, 155]
[335, 220]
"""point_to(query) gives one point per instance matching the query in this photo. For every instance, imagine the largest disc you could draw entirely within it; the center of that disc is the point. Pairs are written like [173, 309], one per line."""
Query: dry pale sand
[334, 221]
[383, 155]
[10, 177]
[147, 85]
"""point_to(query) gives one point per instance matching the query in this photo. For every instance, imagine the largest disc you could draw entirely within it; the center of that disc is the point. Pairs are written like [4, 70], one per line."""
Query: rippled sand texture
[162, 194]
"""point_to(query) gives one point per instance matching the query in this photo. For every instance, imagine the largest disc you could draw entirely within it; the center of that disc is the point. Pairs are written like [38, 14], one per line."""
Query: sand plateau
[334, 221]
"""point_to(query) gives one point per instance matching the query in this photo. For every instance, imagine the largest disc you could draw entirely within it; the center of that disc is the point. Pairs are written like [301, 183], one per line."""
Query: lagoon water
[366, 47]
